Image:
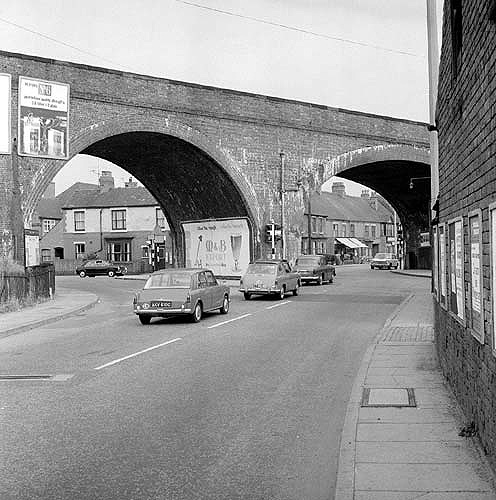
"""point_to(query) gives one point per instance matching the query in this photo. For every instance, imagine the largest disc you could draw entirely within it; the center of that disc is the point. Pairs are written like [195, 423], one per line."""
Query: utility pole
[283, 229]
[309, 210]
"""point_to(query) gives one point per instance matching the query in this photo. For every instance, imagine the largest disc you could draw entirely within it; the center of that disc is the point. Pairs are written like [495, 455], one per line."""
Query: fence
[37, 282]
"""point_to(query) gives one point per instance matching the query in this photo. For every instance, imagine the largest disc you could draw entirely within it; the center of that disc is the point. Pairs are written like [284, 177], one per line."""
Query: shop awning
[351, 242]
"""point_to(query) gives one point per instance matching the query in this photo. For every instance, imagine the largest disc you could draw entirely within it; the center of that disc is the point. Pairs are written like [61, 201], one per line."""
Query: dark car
[314, 268]
[99, 267]
[269, 277]
[181, 292]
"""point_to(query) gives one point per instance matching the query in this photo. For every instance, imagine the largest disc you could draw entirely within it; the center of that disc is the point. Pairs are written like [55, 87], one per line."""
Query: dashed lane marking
[136, 354]
[229, 321]
[279, 304]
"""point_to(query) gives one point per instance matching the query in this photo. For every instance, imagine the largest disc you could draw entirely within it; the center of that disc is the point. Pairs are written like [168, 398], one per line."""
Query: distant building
[342, 224]
[124, 225]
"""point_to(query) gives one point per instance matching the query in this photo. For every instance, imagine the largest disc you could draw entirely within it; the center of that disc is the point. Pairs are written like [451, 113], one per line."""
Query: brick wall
[467, 144]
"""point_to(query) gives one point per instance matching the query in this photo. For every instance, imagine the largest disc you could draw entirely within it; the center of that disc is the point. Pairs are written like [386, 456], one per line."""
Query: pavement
[401, 436]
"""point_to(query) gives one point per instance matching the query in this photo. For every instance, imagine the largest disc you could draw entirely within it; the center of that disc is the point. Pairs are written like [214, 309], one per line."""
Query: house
[124, 225]
[343, 224]
[464, 220]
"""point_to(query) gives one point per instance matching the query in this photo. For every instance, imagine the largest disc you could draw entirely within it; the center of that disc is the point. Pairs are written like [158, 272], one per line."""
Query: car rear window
[314, 261]
[169, 280]
[261, 269]
[383, 256]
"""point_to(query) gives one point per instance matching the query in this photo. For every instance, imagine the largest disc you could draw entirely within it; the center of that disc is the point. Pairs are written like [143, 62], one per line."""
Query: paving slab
[383, 432]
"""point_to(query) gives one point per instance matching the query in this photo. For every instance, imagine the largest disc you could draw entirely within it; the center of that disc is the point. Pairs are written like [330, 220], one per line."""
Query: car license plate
[161, 303]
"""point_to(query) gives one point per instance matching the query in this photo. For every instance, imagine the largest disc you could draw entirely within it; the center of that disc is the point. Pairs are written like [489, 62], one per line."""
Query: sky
[362, 55]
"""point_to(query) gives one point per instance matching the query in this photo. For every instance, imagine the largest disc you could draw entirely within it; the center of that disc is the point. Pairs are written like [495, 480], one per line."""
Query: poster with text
[222, 245]
[442, 264]
[5, 96]
[43, 118]
[492, 211]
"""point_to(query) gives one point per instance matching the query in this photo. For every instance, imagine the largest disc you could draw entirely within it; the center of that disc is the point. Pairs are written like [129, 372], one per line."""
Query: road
[249, 409]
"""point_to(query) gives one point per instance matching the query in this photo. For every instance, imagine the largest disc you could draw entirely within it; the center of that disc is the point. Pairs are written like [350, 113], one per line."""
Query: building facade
[464, 231]
[349, 225]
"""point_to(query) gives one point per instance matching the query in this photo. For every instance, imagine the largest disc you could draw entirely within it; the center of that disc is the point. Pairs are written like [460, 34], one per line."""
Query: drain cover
[381, 398]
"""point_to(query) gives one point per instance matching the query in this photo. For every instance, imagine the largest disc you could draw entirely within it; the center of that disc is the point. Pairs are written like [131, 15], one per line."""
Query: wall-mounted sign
[456, 292]
[443, 293]
[43, 118]
[476, 310]
[222, 245]
[5, 97]
[31, 247]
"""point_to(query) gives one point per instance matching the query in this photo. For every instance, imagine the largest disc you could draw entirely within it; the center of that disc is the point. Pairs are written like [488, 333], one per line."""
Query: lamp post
[283, 229]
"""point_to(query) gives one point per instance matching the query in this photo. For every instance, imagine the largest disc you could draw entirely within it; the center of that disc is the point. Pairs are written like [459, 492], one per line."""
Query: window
[119, 251]
[48, 225]
[144, 251]
[343, 229]
[372, 231]
[202, 280]
[59, 252]
[79, 250]
[46, 255]
[118, 220]
[335, 229]
[352, 230]
[366, 231]
[159, 217]
[211, 281]
[314, 224]
[456, 35]
[79, 224]
[321, 225]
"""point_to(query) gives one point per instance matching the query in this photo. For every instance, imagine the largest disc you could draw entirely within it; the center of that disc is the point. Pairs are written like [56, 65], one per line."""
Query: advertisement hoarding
[5, 92]
[222, 245]
[43, 118]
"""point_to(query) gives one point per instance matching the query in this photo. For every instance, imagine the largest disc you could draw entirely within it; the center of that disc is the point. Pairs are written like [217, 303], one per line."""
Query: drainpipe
[283, 231]
[433, 63]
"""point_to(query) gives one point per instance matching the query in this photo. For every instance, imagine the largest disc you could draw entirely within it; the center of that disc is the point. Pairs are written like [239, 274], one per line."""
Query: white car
[384, 261]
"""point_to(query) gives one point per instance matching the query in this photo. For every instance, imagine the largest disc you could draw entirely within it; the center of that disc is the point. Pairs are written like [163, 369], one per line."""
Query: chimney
[339, 189]
[130, 183]
[365, 194]
[374, 201]
[50, 191]
[106, 181]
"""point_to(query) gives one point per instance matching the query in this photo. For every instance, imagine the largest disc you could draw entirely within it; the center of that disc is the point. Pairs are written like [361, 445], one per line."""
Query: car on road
[269, 277]
[314, 268]
[384, 261]
[99, 267]
[181, 292]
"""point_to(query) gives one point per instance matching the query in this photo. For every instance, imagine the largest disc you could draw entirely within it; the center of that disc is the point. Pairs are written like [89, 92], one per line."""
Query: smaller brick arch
[140, 122]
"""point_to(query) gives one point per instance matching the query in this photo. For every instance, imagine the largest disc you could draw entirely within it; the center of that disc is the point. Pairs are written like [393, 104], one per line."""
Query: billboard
[5, 113]
[222, 245]
[43, 118]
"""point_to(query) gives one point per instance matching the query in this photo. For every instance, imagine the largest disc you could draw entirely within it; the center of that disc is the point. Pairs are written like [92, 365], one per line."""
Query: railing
[37, 282]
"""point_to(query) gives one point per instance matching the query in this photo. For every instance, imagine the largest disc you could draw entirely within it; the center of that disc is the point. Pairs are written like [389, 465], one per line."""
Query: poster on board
[435, 261]
[475, 235]
[442, 264]
[222, 245]
[5, 97]
[31, 247]
[43, 118]
[459, 268]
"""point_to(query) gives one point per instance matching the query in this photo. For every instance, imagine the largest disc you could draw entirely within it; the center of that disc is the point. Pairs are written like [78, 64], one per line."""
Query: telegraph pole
[283, 231]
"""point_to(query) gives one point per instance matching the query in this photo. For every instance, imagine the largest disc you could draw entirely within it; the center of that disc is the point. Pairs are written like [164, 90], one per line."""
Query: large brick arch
[135, 122]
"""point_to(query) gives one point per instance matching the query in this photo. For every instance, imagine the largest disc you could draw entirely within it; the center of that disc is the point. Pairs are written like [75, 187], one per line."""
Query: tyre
[371, 267]
[247, 295]
[82, 274]
[225, 305]
[282, 292]
[331, 279]
[145, 320]
[111, 273]
[390, 267]
[197, 313]
[295, 291]
[320, 280]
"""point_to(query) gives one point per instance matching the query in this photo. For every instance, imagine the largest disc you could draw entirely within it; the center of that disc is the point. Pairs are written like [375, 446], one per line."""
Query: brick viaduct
[207, 152]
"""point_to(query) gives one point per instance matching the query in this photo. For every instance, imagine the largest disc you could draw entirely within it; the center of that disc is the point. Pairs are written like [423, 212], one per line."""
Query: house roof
[348, 208]
[117, 197]
[49, 208]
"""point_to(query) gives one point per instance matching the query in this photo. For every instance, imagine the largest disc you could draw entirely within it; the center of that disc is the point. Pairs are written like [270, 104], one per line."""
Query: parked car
[314, 268]
[269, 277]
[384, 261]
[98, 267]
[181, 292]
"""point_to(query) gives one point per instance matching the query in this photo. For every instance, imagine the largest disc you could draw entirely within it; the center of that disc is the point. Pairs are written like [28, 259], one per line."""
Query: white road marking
[229, 321]
[136, 354]
[279, 304]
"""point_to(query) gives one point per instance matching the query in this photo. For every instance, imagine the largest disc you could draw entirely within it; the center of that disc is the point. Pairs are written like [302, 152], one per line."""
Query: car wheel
[247, 295]
[111, 273]
[390, 266]
[82, 274]
[145, 320]
[295, 291]
[282, 292]
[331, 279]
[225, 305]
[320, 280]
[372, 267]
[197, 313]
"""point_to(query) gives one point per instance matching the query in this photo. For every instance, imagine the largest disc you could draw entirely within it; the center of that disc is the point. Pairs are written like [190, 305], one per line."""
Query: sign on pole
[43, 118]
[5, 92]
